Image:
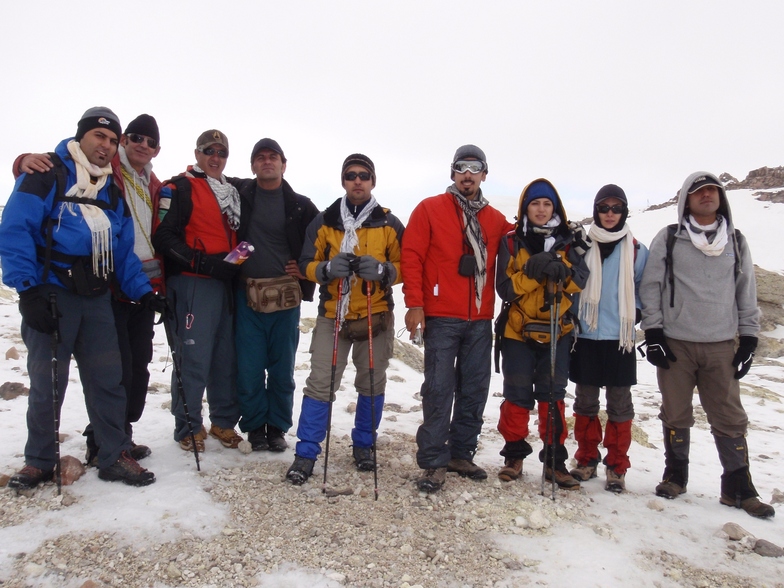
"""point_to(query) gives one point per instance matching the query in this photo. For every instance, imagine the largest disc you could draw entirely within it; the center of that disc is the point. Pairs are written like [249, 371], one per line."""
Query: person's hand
[215, 267]
[339, 266]
[35, 162]
[744, 355]
[292, 269]
[556, 271]
[370, 269]
[534, 267]
[415, 317]
[36, 311]
[155, 302]
[659, 353]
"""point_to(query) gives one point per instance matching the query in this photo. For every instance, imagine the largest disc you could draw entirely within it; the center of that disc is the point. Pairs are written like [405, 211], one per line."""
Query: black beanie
[359, 159]
[611, 191]
[144, 124]
[98, 117]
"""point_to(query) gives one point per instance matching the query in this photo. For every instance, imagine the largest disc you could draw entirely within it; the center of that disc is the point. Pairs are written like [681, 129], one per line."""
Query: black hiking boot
[363, 458]
[432, 481]
[466, 468]
[127, 470]
[276, 439]
[300, 470]
[29, 477]
[140, 451]
[258, 439]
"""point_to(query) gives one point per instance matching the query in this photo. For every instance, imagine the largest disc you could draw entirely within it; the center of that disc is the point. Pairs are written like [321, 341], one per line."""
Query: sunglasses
[615, 208]
[351, 176]
[134, 138]
[210, 151]
[475, 167]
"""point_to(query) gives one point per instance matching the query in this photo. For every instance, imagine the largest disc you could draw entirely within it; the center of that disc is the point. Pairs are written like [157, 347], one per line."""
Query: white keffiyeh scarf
[350, 242]
[589, 297]
[710, 239]
[227, 196]
[473, 233]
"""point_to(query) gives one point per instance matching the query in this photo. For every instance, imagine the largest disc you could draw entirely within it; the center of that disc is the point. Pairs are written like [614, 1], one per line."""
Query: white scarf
[547, 229]
[350, 242]
[227, 196]
[95, 218]
[697, 234]
[589, 297]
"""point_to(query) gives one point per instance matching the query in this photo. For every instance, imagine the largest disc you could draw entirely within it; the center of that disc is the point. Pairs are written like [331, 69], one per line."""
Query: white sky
[582, 93]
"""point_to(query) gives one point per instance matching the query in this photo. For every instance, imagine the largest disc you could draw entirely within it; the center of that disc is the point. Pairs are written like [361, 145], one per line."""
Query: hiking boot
[466, 468]
[258, 439]
[562, 477]
[140, 451]
[583, 473]
[512, 470]
[127, 470]
[227, 437]
[432, 481]
[300, 470]
[276, 439]
[187, 445]
[29, 477]
[669, 489]
[615, 482]
[363, 459]
[754, 506]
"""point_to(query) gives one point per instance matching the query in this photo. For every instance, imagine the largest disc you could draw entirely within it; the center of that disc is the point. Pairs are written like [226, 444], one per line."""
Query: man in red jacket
[448, 266]
[132, 171]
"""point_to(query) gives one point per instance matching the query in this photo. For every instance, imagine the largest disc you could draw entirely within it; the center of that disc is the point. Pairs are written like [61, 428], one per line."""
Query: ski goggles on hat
[351, 176]
[134, 138]
[210, 151]
[473, 166]
[615, 208]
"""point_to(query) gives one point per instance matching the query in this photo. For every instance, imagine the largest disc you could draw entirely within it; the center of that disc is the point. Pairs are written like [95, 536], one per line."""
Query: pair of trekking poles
[552, 301]
[368, 286]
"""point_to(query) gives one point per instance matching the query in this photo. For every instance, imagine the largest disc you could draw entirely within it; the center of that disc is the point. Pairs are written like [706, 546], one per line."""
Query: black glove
[659, 353]
[155, 302]
[36, 311]
[370, 268]
[744, 355]
[215, 267]
[556, 271]
[339, 266]
[534, 267]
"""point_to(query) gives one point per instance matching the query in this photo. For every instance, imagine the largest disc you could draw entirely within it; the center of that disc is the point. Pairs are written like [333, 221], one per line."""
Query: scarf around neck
[227, 196]
[473, 233]
[591, 294]
[350, 242]
[710, 239]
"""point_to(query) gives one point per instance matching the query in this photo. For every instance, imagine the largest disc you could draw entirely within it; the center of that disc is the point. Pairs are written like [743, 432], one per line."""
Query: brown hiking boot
[754, 506]
[127, 470]
[433, 480]
[615, 482]
[583, 473]
[512, 470]
[562, 477]
[228, 437]
[187, 445]
[29, 477]
[466, 468]
[669, 490]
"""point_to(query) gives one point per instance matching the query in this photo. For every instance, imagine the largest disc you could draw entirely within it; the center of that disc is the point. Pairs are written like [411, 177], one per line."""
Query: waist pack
[539, 331]
[357, 329]
[273, 294]
[80, 278]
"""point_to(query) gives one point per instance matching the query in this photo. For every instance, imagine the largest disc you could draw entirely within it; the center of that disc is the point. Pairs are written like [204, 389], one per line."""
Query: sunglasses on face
[210, 151]
[134, 138]
[615, 208]
[475, 167]
[351, 176]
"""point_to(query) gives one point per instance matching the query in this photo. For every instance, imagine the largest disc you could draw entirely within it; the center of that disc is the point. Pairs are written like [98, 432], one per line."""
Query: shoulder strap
[671, 230]
[739, 239]
[59, 196]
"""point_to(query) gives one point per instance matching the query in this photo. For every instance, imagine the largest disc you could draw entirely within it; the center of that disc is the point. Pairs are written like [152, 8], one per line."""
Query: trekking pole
[56, 391]
[549, 437]
[554, 332]
[372, 386]
[180, 389]
[332, 381]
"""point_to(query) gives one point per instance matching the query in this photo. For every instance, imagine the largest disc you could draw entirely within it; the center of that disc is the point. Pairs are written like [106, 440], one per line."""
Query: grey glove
[339, 266]
[370, 268]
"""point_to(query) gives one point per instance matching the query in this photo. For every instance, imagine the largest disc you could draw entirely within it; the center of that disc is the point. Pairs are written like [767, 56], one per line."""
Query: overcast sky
[583, 93]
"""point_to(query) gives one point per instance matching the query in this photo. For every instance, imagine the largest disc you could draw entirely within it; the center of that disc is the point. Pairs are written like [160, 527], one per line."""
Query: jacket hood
[683, 198]
[537, 185]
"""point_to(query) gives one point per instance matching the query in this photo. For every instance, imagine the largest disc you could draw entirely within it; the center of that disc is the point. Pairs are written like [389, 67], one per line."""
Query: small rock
[655, 505]
[735, 532]
[391, 418]
[90, 584]
[12, 353]
[351, 408]
[172, 571]
[71, 469]
[228, 531]
[10, 390]
[337, 577]
[521, 522]
[245, 447]
[778, 496]
[767, 549]
[406, 549]
[537, 520]
[68, 499]
[4, 480]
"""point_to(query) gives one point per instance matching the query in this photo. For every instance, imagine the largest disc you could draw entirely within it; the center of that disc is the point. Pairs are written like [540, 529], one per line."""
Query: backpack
[671, 230]
[77, 276]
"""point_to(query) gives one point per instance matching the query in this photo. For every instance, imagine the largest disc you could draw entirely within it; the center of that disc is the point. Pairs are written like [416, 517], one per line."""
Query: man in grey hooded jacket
[698, 291]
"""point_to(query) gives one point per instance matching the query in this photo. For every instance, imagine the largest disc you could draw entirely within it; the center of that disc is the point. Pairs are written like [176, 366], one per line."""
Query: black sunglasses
[351, 176]
[134, 138]
[210, 151]
[616, 208]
